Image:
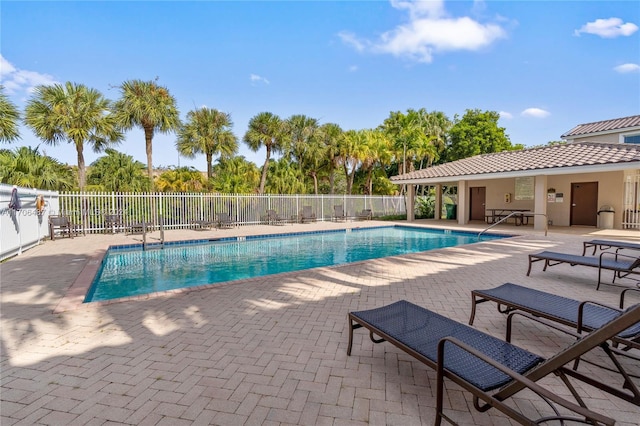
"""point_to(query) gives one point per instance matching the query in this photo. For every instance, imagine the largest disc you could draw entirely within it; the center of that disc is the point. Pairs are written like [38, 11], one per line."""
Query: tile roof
[542, 158]
[604, 126]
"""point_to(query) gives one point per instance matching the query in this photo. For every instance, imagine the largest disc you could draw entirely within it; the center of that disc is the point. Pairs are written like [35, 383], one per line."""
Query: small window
[632, 139]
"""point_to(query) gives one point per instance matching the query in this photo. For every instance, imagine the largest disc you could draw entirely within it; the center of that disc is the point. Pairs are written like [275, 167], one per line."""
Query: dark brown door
[477, 201]
[584, 204]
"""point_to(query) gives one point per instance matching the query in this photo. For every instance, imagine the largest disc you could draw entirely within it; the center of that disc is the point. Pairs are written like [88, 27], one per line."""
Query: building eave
[594, 168]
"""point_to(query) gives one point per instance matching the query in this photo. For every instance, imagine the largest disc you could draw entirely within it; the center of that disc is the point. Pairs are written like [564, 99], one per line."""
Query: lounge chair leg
[473, 309]
[352, 327]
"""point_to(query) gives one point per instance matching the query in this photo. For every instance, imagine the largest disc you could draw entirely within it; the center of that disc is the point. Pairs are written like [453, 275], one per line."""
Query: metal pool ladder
[144, 234]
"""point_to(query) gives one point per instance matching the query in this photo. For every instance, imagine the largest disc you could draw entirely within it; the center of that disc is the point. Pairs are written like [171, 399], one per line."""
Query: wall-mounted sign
[524, 188]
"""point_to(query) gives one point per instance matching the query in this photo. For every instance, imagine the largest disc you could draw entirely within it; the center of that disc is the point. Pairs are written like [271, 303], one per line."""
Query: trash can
[605, 216]
[452, 211]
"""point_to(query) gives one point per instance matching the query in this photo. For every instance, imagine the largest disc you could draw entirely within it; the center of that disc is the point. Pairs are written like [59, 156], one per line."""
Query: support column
[540, 203]
[437, 213]
[463, 204]
[410, 200]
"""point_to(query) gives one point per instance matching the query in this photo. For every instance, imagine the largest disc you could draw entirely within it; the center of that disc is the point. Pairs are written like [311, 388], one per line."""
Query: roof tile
[546, 157]
[604, 126]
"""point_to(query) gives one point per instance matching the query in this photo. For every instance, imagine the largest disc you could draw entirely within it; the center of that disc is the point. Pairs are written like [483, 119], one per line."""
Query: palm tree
[351, 148]
[27, 167]
[330, 135]
[376, 149]
[285, 178]
[235, 175]
[265, 129]
[9, 117]
[181, 179]
[304, 145]
[117, 172]
[208, 132]
[73, 113]
[149, 106]
[301, 131]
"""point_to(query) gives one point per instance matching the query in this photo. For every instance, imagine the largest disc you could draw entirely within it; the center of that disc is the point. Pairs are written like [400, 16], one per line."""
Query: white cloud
[627, 68]
[16, 80]
[608, 28]
[427, 31]
[255, 78]
[505, 115]
[535, 113]
[353, 41]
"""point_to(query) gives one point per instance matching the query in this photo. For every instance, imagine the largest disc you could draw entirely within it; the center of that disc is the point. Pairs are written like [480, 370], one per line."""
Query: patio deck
[269, 350]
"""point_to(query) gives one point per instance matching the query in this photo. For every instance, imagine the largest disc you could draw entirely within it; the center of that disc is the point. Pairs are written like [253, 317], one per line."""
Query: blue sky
[546, 66]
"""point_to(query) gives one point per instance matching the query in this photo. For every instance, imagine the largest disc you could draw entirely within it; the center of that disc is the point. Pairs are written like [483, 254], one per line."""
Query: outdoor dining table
[495, 215]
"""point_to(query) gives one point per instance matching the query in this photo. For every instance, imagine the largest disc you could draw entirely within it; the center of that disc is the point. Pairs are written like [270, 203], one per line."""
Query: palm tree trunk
[315, 182]
[209, 165]
[265, 167]
[81, 167]
[346, 176]
[148, 140]
[331, 179]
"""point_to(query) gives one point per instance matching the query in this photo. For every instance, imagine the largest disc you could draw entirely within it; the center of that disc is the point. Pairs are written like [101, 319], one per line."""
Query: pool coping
[77, 291]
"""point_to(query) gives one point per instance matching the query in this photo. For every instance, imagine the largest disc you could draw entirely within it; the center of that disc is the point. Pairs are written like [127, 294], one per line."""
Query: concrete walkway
[269, 350]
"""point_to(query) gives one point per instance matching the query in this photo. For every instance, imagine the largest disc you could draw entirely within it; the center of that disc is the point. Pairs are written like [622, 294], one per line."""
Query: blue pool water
[128, 272]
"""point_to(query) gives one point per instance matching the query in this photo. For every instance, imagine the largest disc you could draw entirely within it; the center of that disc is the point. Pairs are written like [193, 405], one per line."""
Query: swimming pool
[129, 270]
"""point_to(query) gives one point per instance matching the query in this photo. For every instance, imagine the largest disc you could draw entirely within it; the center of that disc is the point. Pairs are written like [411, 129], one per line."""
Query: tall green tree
[329, 135]
[181, 179]
[235, 175]
[265, 130]
[376, 150]
[207, 131]
[147, 105]
[285, 178]
[9, 118]
[413, 136]
[304, 146]
[301, 131]
[25, 166]
[73, 113]
[352, 148]
[477, 132]
[117, 172]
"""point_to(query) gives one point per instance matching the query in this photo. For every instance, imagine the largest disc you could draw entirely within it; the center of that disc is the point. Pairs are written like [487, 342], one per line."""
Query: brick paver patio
[269, 350]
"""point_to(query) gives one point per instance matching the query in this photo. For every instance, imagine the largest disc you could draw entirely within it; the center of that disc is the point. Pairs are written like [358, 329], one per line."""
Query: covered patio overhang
[464, 181]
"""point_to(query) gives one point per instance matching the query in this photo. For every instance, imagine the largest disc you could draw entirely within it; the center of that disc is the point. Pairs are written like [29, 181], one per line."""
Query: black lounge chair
[224, 221]
[491, 369]
[202, 224]
[583, 316]
[307, 215]
[621, 265]
[274, 218]
[365, 214]
[338, 213]
[607, 244]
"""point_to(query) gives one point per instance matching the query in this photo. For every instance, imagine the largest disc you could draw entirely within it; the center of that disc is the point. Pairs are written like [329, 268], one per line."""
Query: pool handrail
[546, 222]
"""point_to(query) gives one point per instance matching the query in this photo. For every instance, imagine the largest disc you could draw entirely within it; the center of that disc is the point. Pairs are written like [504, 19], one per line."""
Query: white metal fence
[23, 228]
[182, 210]
[631, 215]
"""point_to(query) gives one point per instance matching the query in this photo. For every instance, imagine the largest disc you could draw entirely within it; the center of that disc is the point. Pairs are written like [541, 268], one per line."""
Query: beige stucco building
[592, 180]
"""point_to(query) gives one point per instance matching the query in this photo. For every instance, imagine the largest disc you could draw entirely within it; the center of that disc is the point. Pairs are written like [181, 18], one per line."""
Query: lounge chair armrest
[539, 320]
[533, 386]
[623, 294]
[591, 302]
[615, 255]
